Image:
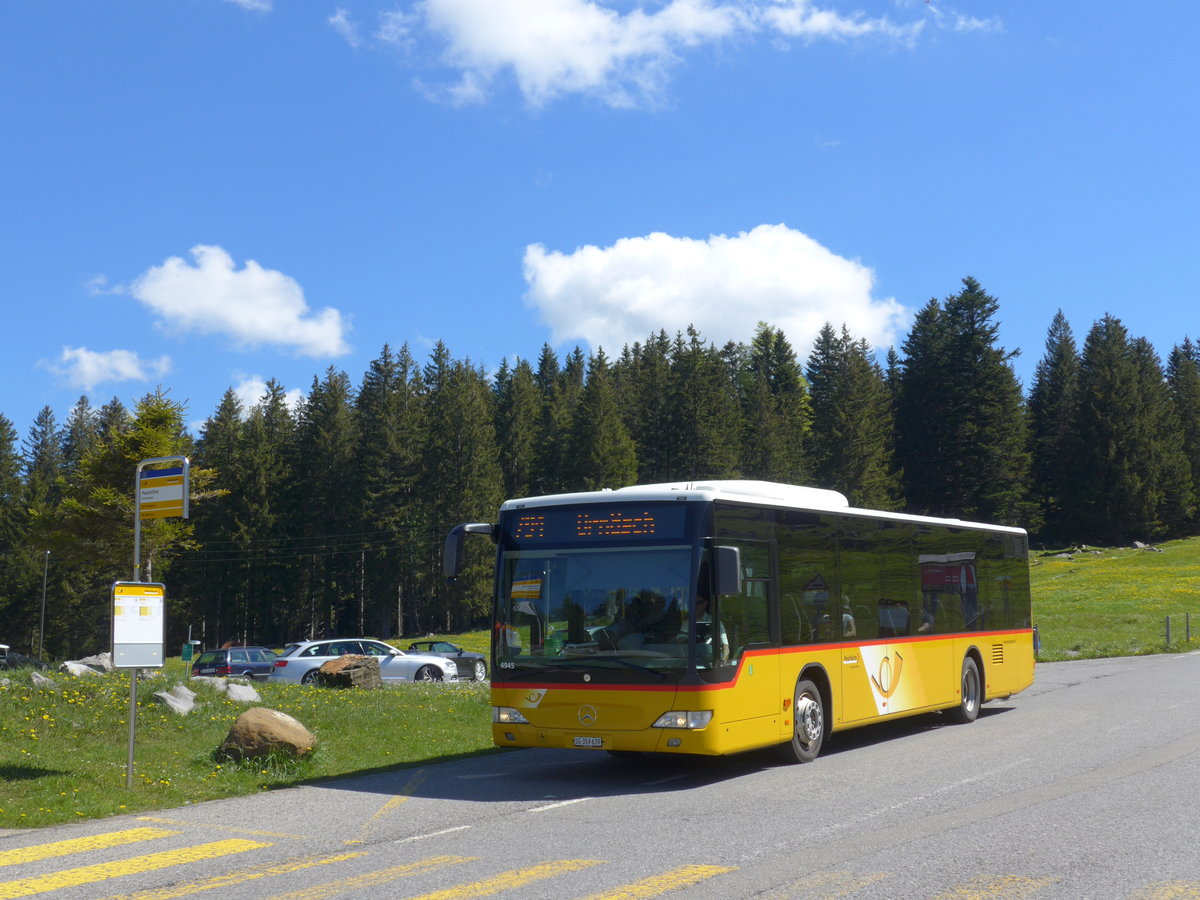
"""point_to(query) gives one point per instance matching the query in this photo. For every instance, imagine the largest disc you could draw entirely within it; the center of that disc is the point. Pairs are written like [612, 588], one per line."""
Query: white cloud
[556, 47]
[616, 295]
[803, 19]
[84, 368]
[970, 23]
[251, 389]
[396, 27]
[254, 5]
[98, 286]
[341, 22]
[251, 305]
[553, 47]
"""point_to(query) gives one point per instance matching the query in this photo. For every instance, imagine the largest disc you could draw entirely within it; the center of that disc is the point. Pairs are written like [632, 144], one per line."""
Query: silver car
[300, 662]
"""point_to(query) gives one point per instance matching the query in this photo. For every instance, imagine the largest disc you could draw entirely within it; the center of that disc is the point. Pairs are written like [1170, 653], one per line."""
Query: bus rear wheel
[969, 696]
[808, 718]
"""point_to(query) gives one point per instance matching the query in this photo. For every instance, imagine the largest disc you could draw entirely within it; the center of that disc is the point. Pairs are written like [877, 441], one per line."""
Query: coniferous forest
[329, 518]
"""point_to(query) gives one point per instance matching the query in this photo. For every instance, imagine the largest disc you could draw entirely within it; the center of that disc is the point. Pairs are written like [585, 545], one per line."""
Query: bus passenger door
[862, 655]
[753, 658]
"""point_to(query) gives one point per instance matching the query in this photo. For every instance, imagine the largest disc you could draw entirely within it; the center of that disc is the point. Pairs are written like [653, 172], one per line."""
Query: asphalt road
[1084, 786]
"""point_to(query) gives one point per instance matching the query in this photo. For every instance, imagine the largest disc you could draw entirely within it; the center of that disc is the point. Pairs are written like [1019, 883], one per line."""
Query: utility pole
[42, 629]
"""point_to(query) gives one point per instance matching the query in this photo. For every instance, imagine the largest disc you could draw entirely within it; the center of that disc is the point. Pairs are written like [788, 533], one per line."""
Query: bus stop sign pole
[159, 493]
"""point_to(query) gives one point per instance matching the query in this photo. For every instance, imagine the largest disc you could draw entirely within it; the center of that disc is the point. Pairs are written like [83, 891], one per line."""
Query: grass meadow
[64, 750]
[1097, 602]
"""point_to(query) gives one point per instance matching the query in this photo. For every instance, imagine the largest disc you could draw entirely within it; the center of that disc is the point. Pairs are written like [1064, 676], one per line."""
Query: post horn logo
[887, 681]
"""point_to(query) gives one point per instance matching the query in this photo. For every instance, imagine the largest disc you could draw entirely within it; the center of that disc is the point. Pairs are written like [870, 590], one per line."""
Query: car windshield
[623, 609]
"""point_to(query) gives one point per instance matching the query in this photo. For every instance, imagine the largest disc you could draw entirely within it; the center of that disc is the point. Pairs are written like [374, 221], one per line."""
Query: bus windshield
[619, 609]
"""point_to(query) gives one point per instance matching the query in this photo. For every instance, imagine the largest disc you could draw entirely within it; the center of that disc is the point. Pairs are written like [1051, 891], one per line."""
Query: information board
[137, 625]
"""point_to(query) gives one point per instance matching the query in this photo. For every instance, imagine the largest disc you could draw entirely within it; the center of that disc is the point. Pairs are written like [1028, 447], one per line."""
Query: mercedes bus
[722, 616]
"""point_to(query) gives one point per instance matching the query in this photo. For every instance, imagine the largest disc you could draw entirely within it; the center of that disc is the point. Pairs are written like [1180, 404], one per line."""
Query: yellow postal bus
[717, 617]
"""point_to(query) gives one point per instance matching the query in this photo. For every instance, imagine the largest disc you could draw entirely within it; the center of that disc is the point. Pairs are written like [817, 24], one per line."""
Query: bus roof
[767, 493]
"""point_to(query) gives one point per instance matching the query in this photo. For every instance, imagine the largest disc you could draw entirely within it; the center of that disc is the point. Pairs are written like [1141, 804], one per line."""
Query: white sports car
[299, 662]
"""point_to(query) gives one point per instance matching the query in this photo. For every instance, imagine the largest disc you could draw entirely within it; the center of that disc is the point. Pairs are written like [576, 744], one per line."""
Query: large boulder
[351, 670]
[261, 731]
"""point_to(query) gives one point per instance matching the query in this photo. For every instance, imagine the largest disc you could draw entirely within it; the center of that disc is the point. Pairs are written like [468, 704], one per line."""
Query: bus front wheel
[808, 718]
[969, 696]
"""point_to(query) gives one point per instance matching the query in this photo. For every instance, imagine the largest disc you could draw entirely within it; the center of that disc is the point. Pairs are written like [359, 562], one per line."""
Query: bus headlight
[696, 718]
[506, 715]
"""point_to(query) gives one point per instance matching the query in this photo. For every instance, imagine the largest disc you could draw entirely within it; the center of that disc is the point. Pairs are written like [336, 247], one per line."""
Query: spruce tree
[553, 421]
[776, 409]
[16, 599]
[43, 464]
[79, 433]
[600, 452]
[1128, 442]
[518, 426]
[642, 378]
[392, 425]
[961, 425]
[219, 583]
[852, 421]
[1054, 414]
[706, 415]
[460, 483]
[1183, 380]
[922, 428]
[1165, 470]
[327, 441]
[273, 517]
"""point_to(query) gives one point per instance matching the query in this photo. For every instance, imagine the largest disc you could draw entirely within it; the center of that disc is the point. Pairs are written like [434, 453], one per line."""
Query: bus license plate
[589, 741]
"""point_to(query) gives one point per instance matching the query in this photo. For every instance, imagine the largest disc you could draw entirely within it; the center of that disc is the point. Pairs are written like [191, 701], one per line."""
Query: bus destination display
[575, 524]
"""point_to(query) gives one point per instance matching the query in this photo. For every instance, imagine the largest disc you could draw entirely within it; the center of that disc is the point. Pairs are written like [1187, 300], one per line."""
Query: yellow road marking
[392, 804]
[1170, 890]
[102, 871]
[270, 834]
[684, 876]
[80, 845]
[507, 881]
[826, 885]
[1001, 887]
[235, 878]
[370, 879]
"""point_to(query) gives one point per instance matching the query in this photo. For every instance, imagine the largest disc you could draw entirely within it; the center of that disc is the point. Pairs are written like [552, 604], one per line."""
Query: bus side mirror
[452, 553]
[729, 570]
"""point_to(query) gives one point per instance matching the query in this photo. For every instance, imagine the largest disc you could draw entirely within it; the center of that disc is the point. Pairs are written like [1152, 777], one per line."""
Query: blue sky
[202, 194]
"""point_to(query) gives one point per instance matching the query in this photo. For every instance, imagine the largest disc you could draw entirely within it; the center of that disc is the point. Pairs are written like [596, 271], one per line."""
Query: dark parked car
[249, 662]
[11, 660]
[470, 664]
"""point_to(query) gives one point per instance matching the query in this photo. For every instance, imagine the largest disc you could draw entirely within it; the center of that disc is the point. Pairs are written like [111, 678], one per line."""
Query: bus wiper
[629, 665]
[593, 662]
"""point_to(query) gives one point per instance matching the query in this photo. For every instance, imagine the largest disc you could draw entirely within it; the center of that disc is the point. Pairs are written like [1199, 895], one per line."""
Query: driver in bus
[704, 625]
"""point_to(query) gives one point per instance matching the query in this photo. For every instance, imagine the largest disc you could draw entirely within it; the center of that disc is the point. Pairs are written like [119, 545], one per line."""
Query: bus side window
[893, 617]
[795, 625]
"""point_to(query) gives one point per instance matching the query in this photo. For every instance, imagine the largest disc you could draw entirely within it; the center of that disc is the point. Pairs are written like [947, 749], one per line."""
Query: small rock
[102, 661]
[242, 693]
[177, 704]
[217, 684]
[79, 670]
